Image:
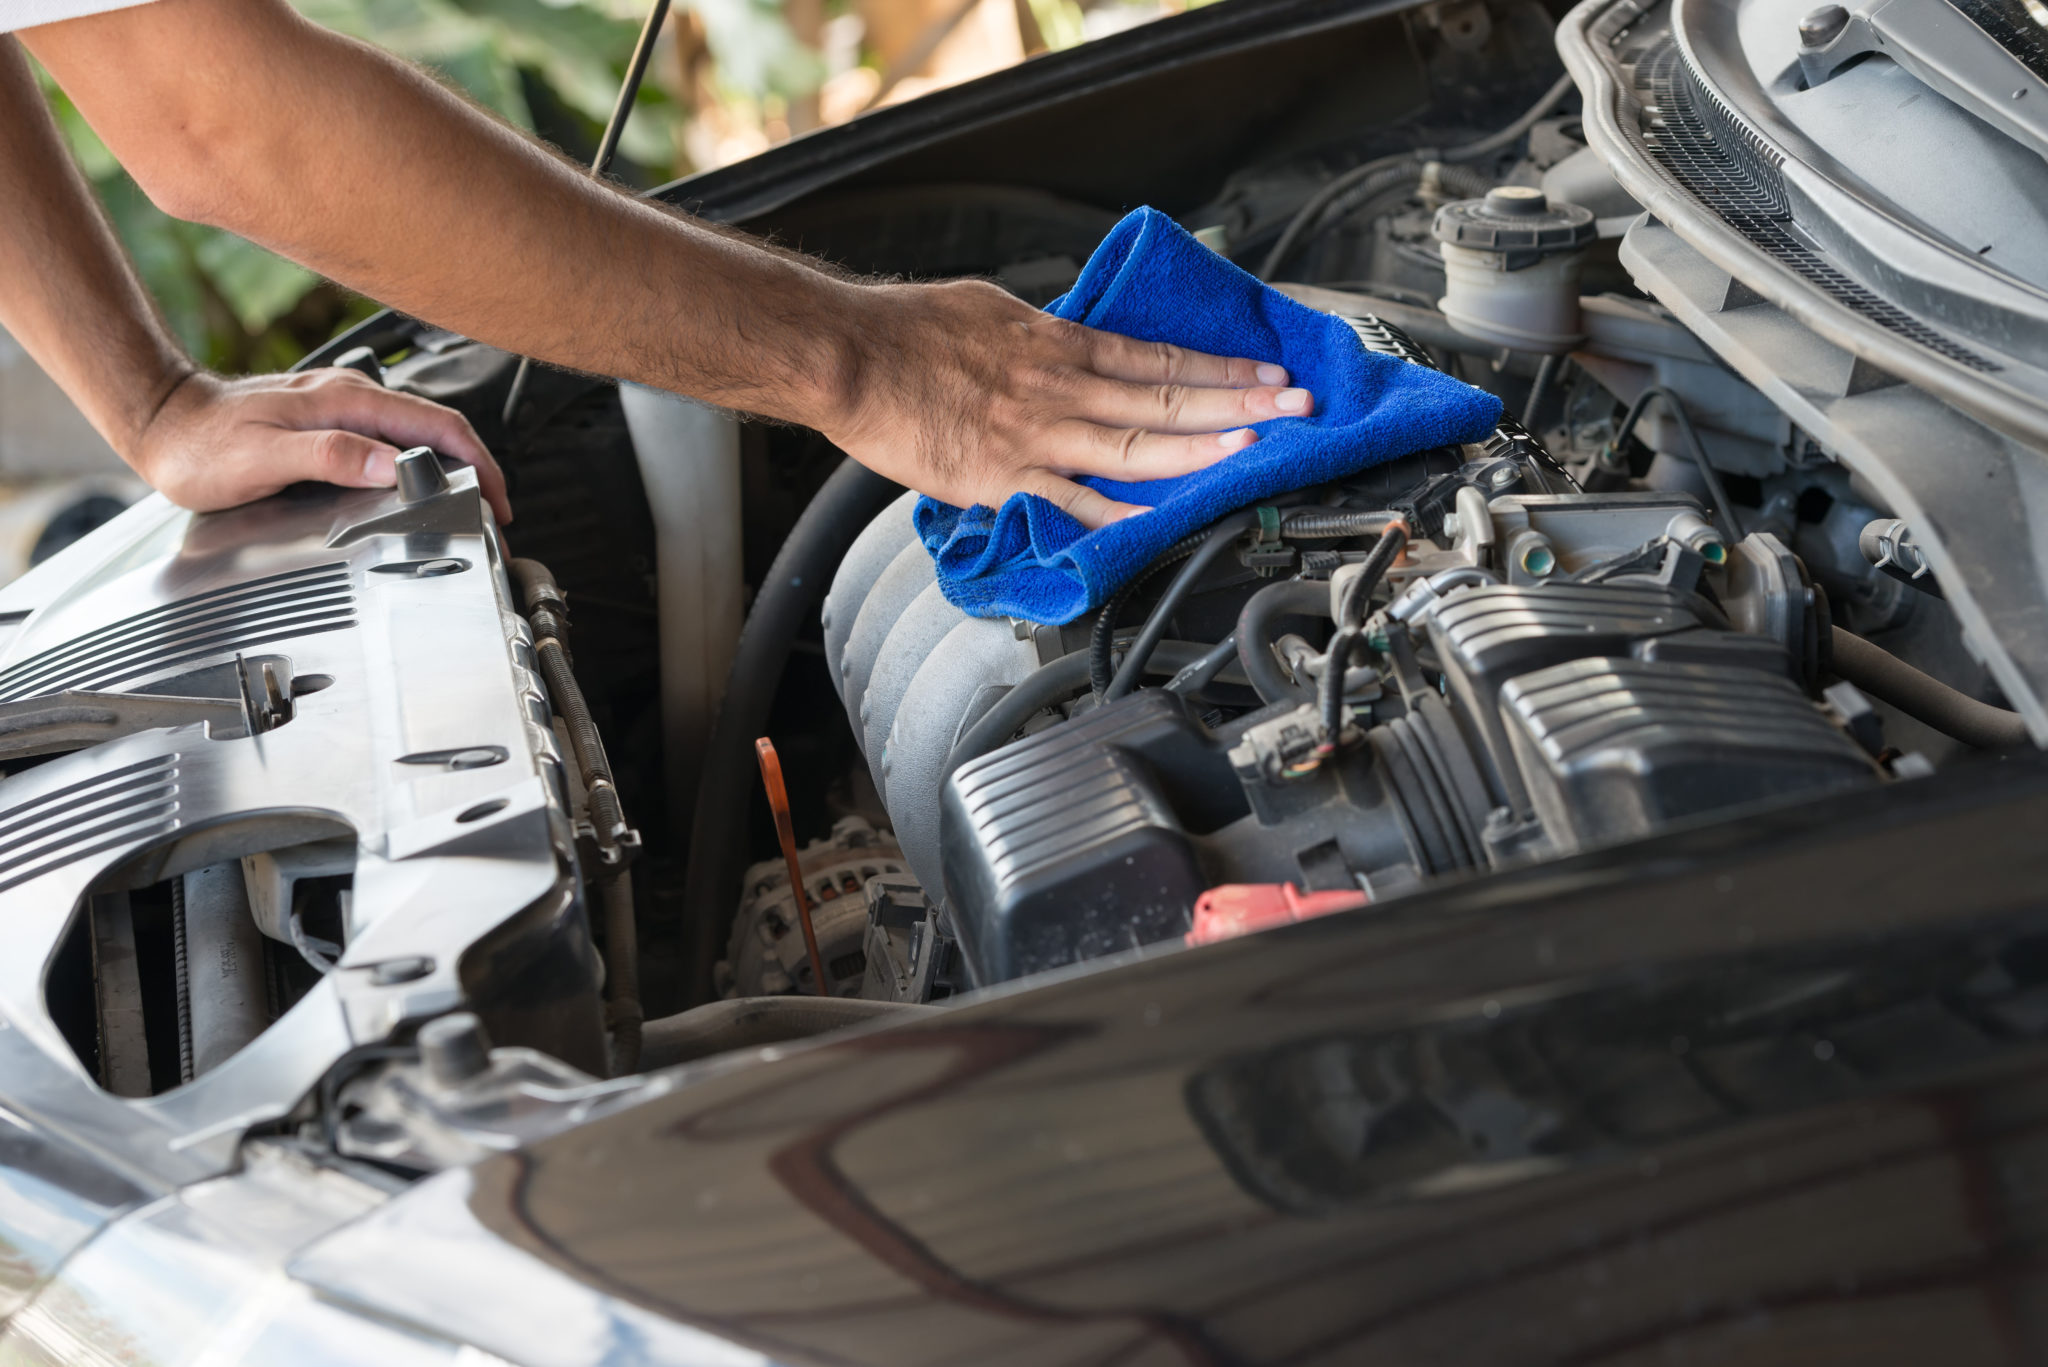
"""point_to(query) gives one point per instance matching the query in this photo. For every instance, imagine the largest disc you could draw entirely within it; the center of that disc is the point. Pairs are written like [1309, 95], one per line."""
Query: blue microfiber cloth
[1150, 280]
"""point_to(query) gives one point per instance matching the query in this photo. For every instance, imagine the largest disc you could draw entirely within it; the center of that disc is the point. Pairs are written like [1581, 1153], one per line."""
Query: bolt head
[1822, 26]
[1503, 477]
[453, 1048]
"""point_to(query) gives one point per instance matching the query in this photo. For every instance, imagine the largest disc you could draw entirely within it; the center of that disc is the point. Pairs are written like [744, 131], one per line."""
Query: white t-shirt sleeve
[16, 14]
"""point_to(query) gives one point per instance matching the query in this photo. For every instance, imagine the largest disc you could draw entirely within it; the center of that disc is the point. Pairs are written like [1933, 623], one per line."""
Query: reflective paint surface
[1772, 1091]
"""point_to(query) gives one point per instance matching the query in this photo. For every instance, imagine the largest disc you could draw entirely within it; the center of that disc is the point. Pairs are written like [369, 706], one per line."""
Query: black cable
[1351, 628]
[1255, 622]
[1049, 684]
[1203, 672]
[1216, 540]
[1924, 698]
[1330, 688]
[1312, 209]
[1723, 508]
[1102, 636]
[851, 497]
[622, 969]
[1367, 178]
[1539, 389]
[1358, 593]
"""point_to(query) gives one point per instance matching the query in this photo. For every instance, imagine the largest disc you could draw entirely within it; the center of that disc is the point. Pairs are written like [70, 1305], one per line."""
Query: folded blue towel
[1150, 280]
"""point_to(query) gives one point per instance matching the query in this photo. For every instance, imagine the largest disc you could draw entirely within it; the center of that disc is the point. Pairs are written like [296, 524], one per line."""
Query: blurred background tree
[731, 78]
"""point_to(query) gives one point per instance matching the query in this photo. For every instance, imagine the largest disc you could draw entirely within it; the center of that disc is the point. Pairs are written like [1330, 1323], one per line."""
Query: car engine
[287, 785]
[1529, 669]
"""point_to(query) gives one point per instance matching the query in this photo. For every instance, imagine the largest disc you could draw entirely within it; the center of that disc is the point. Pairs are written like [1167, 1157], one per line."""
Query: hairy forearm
[67, 291]
[241, 114]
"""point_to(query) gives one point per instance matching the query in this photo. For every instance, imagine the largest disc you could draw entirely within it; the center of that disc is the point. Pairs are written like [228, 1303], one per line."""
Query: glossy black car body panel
[1770, 1091]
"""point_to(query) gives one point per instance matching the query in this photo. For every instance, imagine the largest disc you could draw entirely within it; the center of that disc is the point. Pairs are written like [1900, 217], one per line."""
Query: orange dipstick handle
[785, 831]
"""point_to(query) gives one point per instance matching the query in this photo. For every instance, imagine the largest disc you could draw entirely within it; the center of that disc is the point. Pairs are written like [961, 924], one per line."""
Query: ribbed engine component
[911, 669]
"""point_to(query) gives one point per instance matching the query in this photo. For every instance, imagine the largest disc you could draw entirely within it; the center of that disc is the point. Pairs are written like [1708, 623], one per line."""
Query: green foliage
[547, 66]
[757, 54]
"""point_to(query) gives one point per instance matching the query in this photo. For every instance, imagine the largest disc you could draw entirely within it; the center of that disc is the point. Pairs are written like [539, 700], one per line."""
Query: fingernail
[380, 468]
[1272, 374]
[1291, 400]
[1237, 440]
[1125, 516]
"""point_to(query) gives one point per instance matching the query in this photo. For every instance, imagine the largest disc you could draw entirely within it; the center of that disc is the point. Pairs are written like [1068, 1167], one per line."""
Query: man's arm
[70, 296]
[241, 114]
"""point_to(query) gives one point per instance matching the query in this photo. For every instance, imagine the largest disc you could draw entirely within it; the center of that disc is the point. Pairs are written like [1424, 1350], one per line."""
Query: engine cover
[330, 689]
[1573, 716]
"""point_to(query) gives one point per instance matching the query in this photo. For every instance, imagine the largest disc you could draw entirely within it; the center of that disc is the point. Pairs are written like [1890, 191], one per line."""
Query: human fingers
[1178, 408]
[345, 399]
[330, 455]
[1117, 357]
[1133, 455]
[1078, 501]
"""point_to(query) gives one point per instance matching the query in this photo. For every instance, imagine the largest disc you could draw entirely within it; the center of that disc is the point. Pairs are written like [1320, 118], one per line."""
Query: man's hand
[966, 393]
[216, 443]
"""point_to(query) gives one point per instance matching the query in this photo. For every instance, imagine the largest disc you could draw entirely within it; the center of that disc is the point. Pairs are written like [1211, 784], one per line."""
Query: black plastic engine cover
[1614, 748]
[1064, 846]
[1607, 711]
[1485, 637]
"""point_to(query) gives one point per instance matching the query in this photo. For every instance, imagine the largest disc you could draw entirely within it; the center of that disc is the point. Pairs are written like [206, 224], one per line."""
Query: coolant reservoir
[1511, 268]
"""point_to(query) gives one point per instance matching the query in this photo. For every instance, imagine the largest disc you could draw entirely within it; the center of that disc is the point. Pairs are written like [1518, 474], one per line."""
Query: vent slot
[221, 622]
[101, 813]
[1723, 164]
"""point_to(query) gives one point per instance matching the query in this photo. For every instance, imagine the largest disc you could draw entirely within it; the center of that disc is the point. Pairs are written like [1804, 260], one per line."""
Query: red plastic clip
[1234, 909]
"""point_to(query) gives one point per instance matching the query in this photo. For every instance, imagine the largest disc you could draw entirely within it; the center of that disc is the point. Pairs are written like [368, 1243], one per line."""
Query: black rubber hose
[751, 1022]
[1203, 672]
[622, 970]
[1255, 633]
[1311, 212]
[1924, 698]
[1330, 688]
[548, 610]
[1338, 197]
[1046, 685]
[1725, 510]
[1216, 540]
[1539, 389]
[1102, 636]
[850, 498]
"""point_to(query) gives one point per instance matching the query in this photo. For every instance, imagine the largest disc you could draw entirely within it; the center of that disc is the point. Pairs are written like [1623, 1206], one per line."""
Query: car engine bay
[336, 821]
